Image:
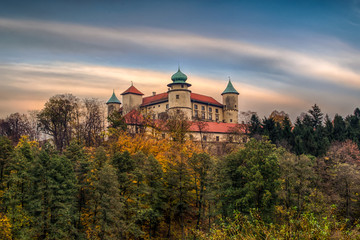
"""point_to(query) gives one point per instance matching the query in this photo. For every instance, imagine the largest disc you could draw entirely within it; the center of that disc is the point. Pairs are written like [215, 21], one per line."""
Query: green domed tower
[231, 103]
[179, 95]
[113, 104]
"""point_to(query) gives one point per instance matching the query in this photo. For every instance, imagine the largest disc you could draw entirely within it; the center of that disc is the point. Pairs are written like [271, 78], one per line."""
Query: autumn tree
[297, 175]
[341, 177]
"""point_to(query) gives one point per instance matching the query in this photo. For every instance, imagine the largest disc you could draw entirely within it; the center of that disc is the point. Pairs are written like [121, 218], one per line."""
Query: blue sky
[280, 55]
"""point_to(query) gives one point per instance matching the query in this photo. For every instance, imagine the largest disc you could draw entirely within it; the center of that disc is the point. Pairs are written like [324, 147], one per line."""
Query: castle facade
[179, 98]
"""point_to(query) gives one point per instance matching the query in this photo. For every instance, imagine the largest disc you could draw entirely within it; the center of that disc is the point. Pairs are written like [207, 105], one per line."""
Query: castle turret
[231, 103]
[132, 99]
[179, 95]
[113, 104]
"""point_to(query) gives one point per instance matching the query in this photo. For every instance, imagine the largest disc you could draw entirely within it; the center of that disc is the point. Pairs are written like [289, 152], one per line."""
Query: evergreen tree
[339, 132]
[106, 206]
[316, 116]
[53, 197]
[255, 126]
[249, 179]
[81, 166]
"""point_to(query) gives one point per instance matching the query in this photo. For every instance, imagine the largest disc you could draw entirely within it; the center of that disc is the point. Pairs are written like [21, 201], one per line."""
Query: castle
[220, 118]
[180, 98]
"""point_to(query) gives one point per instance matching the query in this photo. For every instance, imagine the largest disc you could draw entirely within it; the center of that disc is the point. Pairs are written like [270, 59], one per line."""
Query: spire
[113, 99]
[230, 88]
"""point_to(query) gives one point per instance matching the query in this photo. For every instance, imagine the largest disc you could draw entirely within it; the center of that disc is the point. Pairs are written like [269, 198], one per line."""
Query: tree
[81, 167]
[93, 122]
[255, 126]
[297, 175]
[154, 197]
[53, 197]
[316, 116]
[339, 130]
[249, 179]
[178, 126]
[15, 126]
[57, 118]
[105, 219]
[201, 165]
[6, 150]
[201, 127]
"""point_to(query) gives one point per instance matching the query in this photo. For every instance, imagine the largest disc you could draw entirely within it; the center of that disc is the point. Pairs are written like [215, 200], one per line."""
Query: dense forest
[65, 175]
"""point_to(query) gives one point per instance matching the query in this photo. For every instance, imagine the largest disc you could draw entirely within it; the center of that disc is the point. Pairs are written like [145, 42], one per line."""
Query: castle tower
[231, 104]
[113, 104]
[179, 95]
[132, 99]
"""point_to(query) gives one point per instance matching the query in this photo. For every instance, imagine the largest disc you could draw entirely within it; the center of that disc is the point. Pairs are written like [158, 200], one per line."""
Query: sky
[280, 55]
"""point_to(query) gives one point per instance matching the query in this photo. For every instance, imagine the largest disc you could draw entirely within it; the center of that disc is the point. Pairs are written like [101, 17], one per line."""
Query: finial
[113, 90]
[132, 83]
[178, 66]
[229, 78]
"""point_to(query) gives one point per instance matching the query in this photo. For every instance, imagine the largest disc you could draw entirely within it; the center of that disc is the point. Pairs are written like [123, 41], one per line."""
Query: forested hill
[289, 181]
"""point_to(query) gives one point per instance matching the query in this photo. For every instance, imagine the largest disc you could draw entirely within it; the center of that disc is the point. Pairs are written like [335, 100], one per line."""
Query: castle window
[217, 110]
[204, 138]
[195, 106]
[235, 106]
[182, 85]
[230, 139]
[177, 96]
[203, 108]
[167, 106]
[217, 138]
[159, 106]
[203, 115]
[210, 109]
[196, 113]
[217, 117]
[230, 120]
[210, 116]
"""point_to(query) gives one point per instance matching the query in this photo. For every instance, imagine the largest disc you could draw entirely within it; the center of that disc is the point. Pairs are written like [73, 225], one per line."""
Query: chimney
[154, 93]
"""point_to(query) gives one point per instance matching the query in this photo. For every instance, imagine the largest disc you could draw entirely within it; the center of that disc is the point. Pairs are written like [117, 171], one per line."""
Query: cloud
[28, 86]
[338, 69]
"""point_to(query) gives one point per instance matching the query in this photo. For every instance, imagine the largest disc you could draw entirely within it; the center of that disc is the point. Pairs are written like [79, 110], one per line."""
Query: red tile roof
[132, 90]
[216, 127]
[194, 97]
[204, 99]
[154, 99]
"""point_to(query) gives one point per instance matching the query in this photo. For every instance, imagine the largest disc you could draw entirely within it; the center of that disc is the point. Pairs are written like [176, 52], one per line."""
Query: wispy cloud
[338, 70]
[28, 86]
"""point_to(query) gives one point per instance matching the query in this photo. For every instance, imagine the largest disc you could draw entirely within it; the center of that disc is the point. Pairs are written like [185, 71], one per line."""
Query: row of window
[205, 138]
[203, 108]
[196, 115]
